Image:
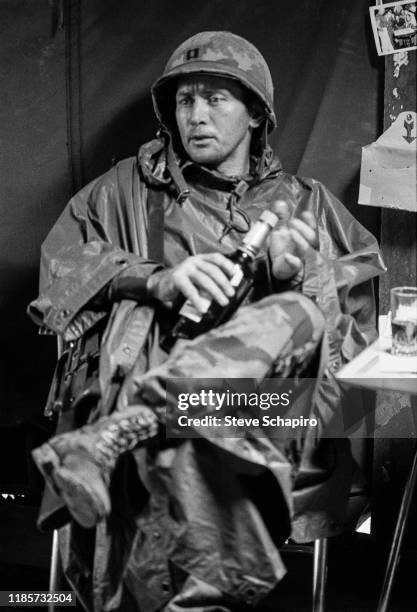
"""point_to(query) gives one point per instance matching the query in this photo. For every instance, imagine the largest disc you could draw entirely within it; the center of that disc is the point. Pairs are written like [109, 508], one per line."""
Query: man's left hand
[290, 243]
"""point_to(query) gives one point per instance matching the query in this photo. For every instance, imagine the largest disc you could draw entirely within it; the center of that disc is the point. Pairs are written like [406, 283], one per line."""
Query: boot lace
[122, 436]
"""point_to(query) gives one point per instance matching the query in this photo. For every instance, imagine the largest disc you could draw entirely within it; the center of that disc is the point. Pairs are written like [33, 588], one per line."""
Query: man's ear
[256, 111]
[255, 120]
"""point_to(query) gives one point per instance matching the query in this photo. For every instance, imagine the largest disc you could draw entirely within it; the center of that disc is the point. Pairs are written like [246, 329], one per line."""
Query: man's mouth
[200, 138]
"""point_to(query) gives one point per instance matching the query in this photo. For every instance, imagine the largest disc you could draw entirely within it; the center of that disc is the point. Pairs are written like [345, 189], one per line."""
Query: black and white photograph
[208, 301]
[395, 27]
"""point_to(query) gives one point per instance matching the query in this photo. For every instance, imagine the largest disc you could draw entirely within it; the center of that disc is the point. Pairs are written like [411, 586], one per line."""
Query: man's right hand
[199, 275]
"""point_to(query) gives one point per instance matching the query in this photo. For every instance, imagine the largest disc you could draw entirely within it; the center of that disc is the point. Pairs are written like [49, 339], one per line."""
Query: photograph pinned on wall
[395, 26]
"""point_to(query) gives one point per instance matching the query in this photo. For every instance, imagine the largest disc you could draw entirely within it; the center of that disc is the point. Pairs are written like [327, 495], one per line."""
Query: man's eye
[185, 101]
[215, 99]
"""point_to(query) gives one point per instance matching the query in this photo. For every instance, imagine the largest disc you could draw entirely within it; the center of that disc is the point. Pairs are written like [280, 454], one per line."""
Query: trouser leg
[277, 337]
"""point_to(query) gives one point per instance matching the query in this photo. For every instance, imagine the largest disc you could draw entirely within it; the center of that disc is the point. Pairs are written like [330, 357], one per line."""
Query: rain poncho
[106, 234]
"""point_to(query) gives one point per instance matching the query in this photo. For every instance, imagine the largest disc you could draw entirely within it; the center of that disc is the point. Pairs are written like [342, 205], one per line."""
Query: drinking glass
[404, 320]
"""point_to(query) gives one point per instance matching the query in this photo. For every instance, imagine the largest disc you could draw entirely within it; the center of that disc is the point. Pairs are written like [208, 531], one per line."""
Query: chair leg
[397, 539]
[54, 569]
[319, 574]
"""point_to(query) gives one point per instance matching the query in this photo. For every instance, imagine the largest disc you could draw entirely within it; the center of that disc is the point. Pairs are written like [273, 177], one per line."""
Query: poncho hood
[162, 167]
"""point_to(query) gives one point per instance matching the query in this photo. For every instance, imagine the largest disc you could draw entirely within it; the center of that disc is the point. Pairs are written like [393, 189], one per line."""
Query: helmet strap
[180, 183]
[265, 158]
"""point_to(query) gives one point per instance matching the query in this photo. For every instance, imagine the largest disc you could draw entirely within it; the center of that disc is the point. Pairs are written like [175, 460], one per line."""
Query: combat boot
[78, 464]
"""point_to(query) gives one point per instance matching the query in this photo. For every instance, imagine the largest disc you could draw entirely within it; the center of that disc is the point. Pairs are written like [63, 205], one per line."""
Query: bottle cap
[269, 218]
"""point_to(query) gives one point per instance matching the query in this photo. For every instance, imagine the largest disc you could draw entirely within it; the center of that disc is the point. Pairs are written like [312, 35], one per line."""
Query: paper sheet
[388, 171]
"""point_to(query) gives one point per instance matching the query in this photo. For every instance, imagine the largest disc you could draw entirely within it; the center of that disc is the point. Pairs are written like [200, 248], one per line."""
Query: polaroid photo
[395, 26]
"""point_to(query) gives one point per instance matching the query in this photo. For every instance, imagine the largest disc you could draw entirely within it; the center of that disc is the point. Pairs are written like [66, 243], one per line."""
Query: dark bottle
[191, 322]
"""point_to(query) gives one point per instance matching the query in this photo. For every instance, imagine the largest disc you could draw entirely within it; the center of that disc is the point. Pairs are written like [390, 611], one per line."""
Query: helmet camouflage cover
[221, 54]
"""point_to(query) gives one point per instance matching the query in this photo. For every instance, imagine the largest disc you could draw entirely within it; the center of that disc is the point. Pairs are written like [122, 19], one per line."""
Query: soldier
[177, 533]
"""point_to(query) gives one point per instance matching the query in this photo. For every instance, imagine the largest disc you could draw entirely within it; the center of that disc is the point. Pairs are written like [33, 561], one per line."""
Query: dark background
[74, 82]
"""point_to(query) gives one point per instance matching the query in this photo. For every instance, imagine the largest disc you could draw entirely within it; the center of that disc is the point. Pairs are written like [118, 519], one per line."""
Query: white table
[375, 368]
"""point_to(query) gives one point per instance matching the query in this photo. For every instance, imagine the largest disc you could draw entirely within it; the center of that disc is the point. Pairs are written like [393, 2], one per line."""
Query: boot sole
[86, 506]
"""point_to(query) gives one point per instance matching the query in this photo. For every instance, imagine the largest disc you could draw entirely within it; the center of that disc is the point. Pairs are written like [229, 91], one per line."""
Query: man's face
[214, 123]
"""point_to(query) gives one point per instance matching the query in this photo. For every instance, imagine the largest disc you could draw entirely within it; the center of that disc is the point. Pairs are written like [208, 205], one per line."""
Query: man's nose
[198, 111]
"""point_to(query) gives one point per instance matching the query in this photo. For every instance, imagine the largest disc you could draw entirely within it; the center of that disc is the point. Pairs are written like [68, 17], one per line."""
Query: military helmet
[220, 54]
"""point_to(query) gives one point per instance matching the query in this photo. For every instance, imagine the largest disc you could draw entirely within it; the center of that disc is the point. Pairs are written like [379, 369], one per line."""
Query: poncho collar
[161, 167]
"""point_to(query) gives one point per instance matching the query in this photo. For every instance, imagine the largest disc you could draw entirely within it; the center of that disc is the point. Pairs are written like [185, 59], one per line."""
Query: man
[177, 533]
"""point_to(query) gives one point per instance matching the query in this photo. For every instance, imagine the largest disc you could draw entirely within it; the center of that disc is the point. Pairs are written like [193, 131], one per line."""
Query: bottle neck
[255, 238]
[243, 255]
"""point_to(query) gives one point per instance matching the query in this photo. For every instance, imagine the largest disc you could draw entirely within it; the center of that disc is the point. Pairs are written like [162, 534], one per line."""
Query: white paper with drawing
[388, 171]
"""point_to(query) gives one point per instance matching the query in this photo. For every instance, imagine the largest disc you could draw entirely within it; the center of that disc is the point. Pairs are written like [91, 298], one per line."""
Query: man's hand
[290, 242]
[196, 278]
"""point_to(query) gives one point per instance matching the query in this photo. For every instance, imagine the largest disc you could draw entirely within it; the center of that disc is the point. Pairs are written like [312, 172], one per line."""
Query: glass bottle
[191, 322]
